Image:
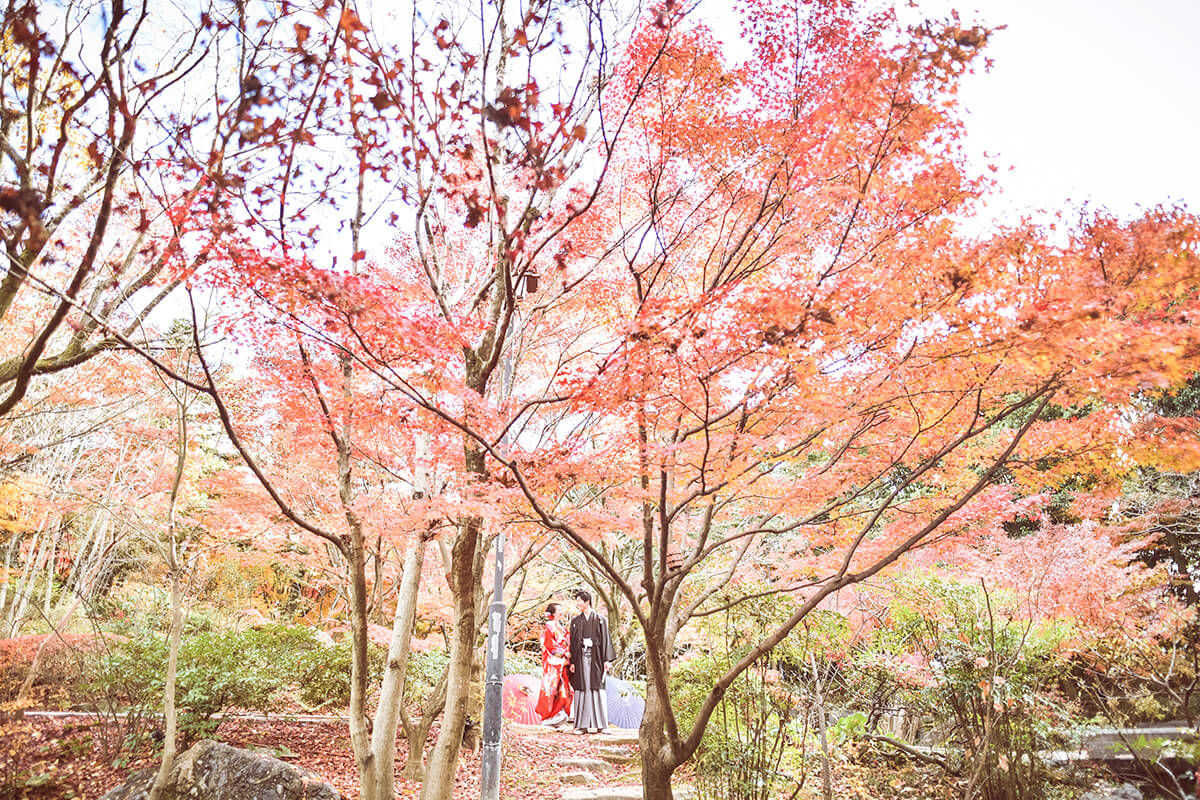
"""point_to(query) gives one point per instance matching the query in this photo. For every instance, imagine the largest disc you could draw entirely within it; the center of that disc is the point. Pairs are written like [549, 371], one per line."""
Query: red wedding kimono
[555, 695]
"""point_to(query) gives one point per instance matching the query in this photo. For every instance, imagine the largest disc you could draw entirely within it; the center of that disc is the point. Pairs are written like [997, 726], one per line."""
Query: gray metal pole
[493, 696]
[493, 687]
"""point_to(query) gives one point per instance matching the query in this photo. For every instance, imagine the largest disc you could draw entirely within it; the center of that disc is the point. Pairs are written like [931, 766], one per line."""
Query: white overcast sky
[1088, 100]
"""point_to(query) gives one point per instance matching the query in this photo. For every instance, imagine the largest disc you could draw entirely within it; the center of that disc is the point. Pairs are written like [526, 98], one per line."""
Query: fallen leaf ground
[58, 758]
[53, 759]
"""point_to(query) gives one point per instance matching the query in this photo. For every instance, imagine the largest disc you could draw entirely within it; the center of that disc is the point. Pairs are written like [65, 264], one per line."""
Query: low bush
[222, 671]
[246, 670]
[322, 673]
[759, 731]
[218, 671]
[522, 663]
[57, 673]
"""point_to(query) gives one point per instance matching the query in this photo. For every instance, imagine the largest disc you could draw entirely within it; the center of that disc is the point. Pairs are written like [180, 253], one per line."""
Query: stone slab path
[597, 778]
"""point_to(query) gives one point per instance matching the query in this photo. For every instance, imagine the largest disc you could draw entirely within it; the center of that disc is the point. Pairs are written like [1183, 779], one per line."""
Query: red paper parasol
[520, 698]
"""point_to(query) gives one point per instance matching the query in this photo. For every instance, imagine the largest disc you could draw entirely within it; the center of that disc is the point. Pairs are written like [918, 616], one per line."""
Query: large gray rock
[215, 771]
[1126, 791]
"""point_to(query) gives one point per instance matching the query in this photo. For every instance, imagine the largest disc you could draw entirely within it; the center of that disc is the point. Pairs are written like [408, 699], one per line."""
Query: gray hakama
[590, 706]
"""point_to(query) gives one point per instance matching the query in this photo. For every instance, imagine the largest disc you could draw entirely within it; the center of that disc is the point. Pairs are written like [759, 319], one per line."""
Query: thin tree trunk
[443, 761]
[13, 542]
[377, 583]
[417, 732]
[56, 632]
[22, 590]
[360, 730]
[19, 586]
[94, 567]
[93, 546]
[50, 572]
[29, 575]
[94, 540]
[360, 598]
[170, 712]
[83, 554]
[826, 776]
[171, 545]
[371, 783]
[391, 696]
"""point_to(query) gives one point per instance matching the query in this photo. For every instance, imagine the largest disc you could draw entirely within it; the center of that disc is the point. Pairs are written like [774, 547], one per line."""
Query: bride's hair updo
[550, 610]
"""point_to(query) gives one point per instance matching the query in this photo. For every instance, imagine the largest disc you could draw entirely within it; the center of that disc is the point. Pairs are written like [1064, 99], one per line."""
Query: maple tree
[806, 370]
[485, 200]
[311, 457]
[171, 545]
[274, 116]
[1111, 549]
[769, 320]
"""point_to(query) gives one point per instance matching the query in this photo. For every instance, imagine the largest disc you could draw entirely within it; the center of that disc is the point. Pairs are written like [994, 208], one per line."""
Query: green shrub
[522, 663]
[753, 727]
[122, 683]
[218, 671]
[247, 670]
[692, 677]
[224, 671]
[747, 738]
[322, 673]
[424, 673]
[848, 728]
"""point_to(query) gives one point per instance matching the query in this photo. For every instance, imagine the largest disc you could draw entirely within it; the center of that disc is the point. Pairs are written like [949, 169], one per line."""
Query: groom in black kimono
[591, 650]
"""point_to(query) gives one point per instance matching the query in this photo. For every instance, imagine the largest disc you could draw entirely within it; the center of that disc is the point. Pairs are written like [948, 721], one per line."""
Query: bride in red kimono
[554, 699]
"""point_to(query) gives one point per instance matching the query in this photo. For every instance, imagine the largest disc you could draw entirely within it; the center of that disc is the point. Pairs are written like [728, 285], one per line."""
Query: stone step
[579, 778]
[681, 792]
[618, 754]
[615, 736]
[587, 765]
[604, 793]
[534, 730]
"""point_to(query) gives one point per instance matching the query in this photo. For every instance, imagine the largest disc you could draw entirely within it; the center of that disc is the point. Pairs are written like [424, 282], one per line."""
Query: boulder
[1126, 791]
[215, 771]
